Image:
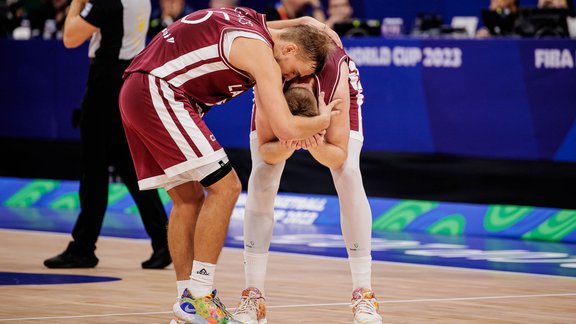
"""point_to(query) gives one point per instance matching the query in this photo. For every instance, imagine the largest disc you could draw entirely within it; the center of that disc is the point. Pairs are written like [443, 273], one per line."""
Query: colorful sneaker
[365, 307]
[202, 310]
[252, 307]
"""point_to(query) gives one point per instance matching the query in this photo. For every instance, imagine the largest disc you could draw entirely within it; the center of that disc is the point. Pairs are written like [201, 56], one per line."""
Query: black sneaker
[160, 259]
[70, 260]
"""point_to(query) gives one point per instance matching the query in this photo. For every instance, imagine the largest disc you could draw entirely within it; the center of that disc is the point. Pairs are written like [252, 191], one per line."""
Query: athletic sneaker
[202, 310]
[252, 307]
[365, 307]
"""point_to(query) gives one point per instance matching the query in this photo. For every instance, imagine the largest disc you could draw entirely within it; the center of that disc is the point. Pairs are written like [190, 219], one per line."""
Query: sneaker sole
[185, 318]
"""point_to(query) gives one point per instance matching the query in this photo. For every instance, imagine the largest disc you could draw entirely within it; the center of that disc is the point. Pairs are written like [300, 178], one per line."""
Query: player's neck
[275, 33]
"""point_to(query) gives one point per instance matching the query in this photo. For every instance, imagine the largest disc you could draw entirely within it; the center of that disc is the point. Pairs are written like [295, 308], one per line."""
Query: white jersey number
[203, 19]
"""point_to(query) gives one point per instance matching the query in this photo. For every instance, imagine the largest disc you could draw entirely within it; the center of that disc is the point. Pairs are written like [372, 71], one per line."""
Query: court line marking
[427, 300]
[455, 268]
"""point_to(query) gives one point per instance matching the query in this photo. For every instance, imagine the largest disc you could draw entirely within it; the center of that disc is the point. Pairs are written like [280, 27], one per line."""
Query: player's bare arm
[306, 20]
[270, 148]
[333, 151]
[255, 58]
[76, 29]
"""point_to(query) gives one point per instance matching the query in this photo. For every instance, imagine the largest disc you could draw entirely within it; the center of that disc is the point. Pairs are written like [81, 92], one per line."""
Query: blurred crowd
[26, 19]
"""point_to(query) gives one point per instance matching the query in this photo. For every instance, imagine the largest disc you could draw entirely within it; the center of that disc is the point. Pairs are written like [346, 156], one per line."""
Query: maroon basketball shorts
[169, 141]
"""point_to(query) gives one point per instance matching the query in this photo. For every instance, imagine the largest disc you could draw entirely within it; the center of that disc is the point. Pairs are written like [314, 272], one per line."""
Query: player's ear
[289, 48]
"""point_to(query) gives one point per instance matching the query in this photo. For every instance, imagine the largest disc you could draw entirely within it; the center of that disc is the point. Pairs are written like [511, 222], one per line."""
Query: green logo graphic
[70, 201]
[31, 193]
[399, 216]
[499, 217]
[554, 228]
[449, 225]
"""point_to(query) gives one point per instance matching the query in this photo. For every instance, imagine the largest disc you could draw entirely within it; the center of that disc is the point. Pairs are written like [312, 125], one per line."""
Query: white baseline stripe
[427, 300]
[179, 63]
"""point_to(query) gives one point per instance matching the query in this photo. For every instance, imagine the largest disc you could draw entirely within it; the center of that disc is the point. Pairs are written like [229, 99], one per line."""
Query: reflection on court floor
[525, 256]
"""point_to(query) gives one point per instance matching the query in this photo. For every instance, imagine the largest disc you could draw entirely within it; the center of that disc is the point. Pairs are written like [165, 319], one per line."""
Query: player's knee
[197, 197]
[266, 176]
[223, 181]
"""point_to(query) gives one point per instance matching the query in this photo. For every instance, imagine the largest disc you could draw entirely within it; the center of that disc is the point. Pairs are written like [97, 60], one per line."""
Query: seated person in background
[338, 11]
[11, 17]
[562, 4]
[503, 8]
[223, 3]
[169, 12]
[557, 4]
[48, 19]
[290, 9]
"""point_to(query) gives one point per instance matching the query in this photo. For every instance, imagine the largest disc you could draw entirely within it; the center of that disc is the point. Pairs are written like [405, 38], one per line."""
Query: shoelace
[363, 305]
[219, 304]
[247, 305]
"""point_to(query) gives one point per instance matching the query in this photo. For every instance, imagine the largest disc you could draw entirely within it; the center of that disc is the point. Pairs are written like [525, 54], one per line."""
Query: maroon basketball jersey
[190, 54]
[328, 81]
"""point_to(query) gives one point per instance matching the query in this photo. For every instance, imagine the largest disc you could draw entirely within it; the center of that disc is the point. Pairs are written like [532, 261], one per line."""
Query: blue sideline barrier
[511, 98]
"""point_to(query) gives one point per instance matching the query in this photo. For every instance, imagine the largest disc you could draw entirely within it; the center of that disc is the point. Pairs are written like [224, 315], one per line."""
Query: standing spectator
[118, 29]
[290, 9]
[168, 12]
[339, 11]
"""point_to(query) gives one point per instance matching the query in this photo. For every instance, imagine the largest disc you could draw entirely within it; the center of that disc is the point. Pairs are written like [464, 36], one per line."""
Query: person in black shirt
[102, 135]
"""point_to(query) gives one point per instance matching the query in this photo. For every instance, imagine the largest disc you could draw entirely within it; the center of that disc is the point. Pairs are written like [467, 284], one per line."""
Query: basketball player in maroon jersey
[205, 59]
[339, 150]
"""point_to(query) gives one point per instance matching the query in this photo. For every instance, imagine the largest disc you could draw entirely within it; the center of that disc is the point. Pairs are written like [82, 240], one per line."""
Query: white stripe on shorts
[166, 119]
[187, 122]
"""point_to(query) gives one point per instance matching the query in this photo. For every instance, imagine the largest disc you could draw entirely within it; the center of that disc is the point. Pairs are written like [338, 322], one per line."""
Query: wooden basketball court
[301, 289]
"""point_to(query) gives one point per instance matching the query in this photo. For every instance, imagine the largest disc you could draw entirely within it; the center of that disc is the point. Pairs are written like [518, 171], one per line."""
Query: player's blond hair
[314, 45]
[301, 102]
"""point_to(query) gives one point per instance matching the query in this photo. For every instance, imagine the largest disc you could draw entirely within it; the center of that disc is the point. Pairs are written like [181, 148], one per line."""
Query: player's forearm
[329, 155]
[70, 38]
[274, 152]
[295, 128]
[306, 127]
[280, 24]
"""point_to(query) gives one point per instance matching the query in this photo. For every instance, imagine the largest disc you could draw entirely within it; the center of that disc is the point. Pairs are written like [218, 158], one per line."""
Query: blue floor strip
[535, 257]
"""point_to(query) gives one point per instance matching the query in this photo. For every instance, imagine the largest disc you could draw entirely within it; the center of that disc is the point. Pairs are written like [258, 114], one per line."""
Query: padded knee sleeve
[215, 176]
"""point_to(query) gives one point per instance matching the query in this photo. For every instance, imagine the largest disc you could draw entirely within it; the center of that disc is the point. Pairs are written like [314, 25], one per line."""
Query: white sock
[181, 285]
[255, 269]
[202, 278]
[361, 269]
